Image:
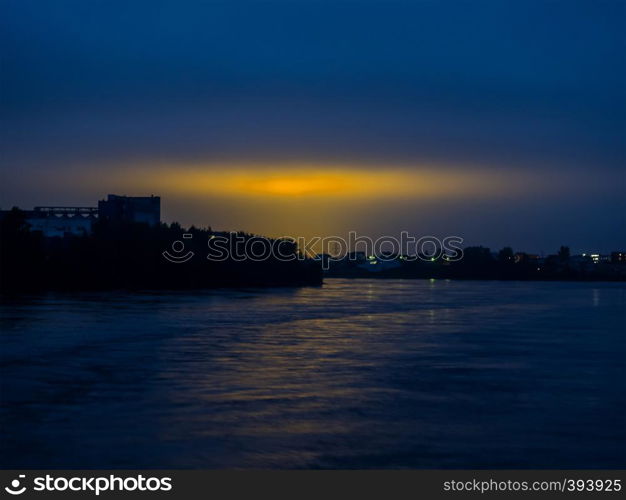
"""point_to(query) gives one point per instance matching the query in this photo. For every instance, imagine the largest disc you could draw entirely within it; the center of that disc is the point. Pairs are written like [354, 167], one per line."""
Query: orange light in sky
[306, 199]
[315, 182]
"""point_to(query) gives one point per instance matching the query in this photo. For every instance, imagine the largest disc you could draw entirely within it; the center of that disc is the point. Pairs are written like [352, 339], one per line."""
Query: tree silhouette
[506, 255]
[564, 254]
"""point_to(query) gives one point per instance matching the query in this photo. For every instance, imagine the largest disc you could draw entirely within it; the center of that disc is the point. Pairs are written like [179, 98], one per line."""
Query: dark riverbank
[430, 275]
[479, 263]
[139, 257]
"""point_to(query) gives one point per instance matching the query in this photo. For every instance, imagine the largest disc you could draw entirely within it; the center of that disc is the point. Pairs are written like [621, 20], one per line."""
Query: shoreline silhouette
[122, 254]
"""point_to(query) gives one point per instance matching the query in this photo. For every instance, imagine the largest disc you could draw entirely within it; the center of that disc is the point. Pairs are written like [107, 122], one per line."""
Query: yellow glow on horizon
[286, 183]
[295, 182]
[314, 199]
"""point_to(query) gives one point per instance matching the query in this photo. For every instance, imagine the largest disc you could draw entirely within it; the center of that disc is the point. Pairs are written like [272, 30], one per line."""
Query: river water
[353, 374]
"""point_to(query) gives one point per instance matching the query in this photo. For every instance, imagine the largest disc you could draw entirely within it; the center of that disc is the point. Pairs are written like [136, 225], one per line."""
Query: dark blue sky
[515, 88]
